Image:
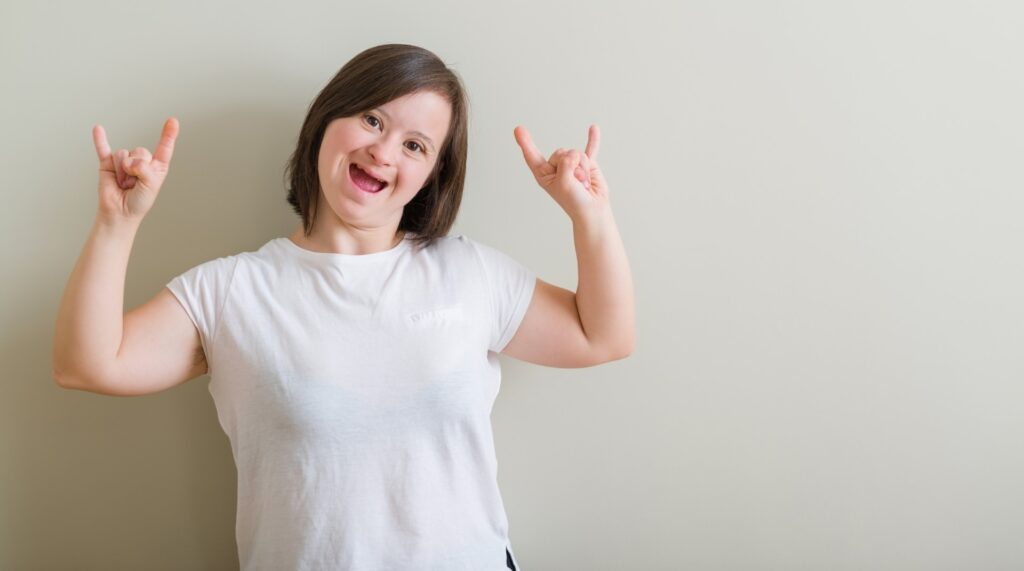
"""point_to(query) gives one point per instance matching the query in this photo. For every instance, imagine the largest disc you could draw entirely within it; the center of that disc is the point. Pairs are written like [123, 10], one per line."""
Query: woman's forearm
[91, 315]
[604, 296]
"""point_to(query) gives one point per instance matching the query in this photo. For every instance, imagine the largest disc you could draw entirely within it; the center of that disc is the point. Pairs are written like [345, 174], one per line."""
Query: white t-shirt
[356, 391]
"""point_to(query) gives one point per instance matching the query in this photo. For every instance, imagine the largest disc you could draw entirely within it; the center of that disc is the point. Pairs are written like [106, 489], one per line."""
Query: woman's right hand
[129, 182]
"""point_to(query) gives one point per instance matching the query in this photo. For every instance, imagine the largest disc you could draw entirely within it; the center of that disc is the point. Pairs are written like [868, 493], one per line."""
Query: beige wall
[822, 208]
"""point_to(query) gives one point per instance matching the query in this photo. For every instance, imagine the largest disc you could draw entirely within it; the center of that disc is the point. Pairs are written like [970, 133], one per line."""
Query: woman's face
[396, 143]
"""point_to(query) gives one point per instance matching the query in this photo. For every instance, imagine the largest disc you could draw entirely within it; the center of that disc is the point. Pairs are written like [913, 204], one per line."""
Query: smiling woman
[354, 364]
[369, 171]
[377, 112]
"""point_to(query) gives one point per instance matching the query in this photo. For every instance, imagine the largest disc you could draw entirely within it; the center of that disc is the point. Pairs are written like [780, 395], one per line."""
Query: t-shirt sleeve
[202, 291]
[510, 288]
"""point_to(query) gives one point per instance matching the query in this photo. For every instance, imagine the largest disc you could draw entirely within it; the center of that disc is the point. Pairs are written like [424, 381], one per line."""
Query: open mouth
[364, 181]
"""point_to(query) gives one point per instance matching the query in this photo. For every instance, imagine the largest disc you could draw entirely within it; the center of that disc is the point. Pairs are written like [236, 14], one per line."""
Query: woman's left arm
[603, 304]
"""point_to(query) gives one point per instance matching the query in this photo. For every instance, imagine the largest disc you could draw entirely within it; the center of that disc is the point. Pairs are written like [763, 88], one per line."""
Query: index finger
[530, 151]
[593, 141]
[99, 140]
[165, 148]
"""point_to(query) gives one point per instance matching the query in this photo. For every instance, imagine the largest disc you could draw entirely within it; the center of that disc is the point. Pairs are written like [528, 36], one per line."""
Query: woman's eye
[375, 122]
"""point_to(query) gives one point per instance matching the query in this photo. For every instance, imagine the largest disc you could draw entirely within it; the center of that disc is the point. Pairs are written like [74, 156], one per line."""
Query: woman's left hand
[572, 178]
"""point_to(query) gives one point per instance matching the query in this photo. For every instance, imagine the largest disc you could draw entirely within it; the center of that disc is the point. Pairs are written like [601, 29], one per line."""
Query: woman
[354, 363]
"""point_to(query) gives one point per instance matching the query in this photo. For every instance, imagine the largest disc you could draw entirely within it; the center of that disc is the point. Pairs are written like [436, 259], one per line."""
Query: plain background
[822, 206]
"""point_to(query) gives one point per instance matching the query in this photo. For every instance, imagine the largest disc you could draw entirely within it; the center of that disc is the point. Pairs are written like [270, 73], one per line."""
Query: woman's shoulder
[227, 261]
[477, 253]
[455, 245]
[461, 241]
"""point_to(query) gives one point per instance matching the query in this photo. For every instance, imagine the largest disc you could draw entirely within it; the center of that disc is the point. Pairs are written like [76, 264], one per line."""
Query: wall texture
[822, 207]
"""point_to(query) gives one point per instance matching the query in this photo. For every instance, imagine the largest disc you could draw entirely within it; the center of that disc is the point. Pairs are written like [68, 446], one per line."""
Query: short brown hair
[372, 78]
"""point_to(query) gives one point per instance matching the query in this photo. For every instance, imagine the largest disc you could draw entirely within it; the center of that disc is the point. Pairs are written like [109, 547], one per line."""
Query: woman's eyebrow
[417, 133]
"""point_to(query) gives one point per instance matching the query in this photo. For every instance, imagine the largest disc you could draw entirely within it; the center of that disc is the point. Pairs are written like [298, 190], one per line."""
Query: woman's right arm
[96, 346]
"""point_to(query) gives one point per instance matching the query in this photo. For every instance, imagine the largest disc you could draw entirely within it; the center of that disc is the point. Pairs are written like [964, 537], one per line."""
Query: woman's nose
[381, 151]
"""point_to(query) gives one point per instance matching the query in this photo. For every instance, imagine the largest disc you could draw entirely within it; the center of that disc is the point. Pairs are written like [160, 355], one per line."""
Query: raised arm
[95, 344]
[595, 324]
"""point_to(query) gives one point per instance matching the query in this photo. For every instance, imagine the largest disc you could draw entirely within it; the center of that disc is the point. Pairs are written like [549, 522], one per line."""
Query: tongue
[365, 181]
